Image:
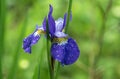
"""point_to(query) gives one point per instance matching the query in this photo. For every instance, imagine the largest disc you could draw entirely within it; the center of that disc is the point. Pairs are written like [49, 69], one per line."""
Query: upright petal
[51, 21]
[57, 51]
[65, 19]
[72, 52]
[59, 24]
[44, 24]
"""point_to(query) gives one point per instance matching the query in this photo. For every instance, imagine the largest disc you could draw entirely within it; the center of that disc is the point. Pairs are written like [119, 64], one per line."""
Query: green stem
[51, 71]
[16, 56]
[57, 68]
[2, 31]
[66, 29]
[68, 17]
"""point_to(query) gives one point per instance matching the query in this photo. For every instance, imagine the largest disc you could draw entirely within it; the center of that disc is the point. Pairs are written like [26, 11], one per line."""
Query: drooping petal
[72, 52]
[31, 40]
[28, 49]
[35, 38]
[27, 44]
[60, 34]
[59, 24]
[51, 21]
[57, 51]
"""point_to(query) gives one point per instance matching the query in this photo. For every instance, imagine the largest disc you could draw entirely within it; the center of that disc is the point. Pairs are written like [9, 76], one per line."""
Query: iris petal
[31, 40]
[51, 22]
[28, 49]
[65, 19]
[60, 34]
[59, 24]
[44, 24]
[27, 44]
[35, 39]
[66, 53]
[72, 52]
[57, 51]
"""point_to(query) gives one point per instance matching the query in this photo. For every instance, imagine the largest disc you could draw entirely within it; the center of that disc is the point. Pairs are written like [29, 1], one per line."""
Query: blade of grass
[36, 74]
[18, 47]
[66, 29]
[2, 31]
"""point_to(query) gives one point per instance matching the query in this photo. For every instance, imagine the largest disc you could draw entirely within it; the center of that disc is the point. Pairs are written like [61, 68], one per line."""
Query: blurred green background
[95, 26]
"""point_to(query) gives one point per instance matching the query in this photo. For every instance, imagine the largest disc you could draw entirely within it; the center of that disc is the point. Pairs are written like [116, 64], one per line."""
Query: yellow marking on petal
[59, 40]
[39, 31]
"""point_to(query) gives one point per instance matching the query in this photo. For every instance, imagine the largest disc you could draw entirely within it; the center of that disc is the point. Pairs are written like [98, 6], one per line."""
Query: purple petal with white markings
[72, 52]
[27, 44]
[57, 51]
[35, 39]
[30, 40]
[60, 34]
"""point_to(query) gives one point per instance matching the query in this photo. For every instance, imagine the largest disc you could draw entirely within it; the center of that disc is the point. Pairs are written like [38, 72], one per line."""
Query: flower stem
[57, 68]
[2, 31]
[51, 71]
[66, 29]
[68, 17]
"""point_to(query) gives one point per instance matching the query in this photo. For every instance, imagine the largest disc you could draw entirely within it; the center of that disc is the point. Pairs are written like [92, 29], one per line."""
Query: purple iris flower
[34, 37]
[64, 48]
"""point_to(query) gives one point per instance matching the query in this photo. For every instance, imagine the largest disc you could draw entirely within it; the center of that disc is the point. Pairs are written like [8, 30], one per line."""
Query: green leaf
[36, 74]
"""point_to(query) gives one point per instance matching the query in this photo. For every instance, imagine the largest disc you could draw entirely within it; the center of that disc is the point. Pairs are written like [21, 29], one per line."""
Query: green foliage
[2, 31]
